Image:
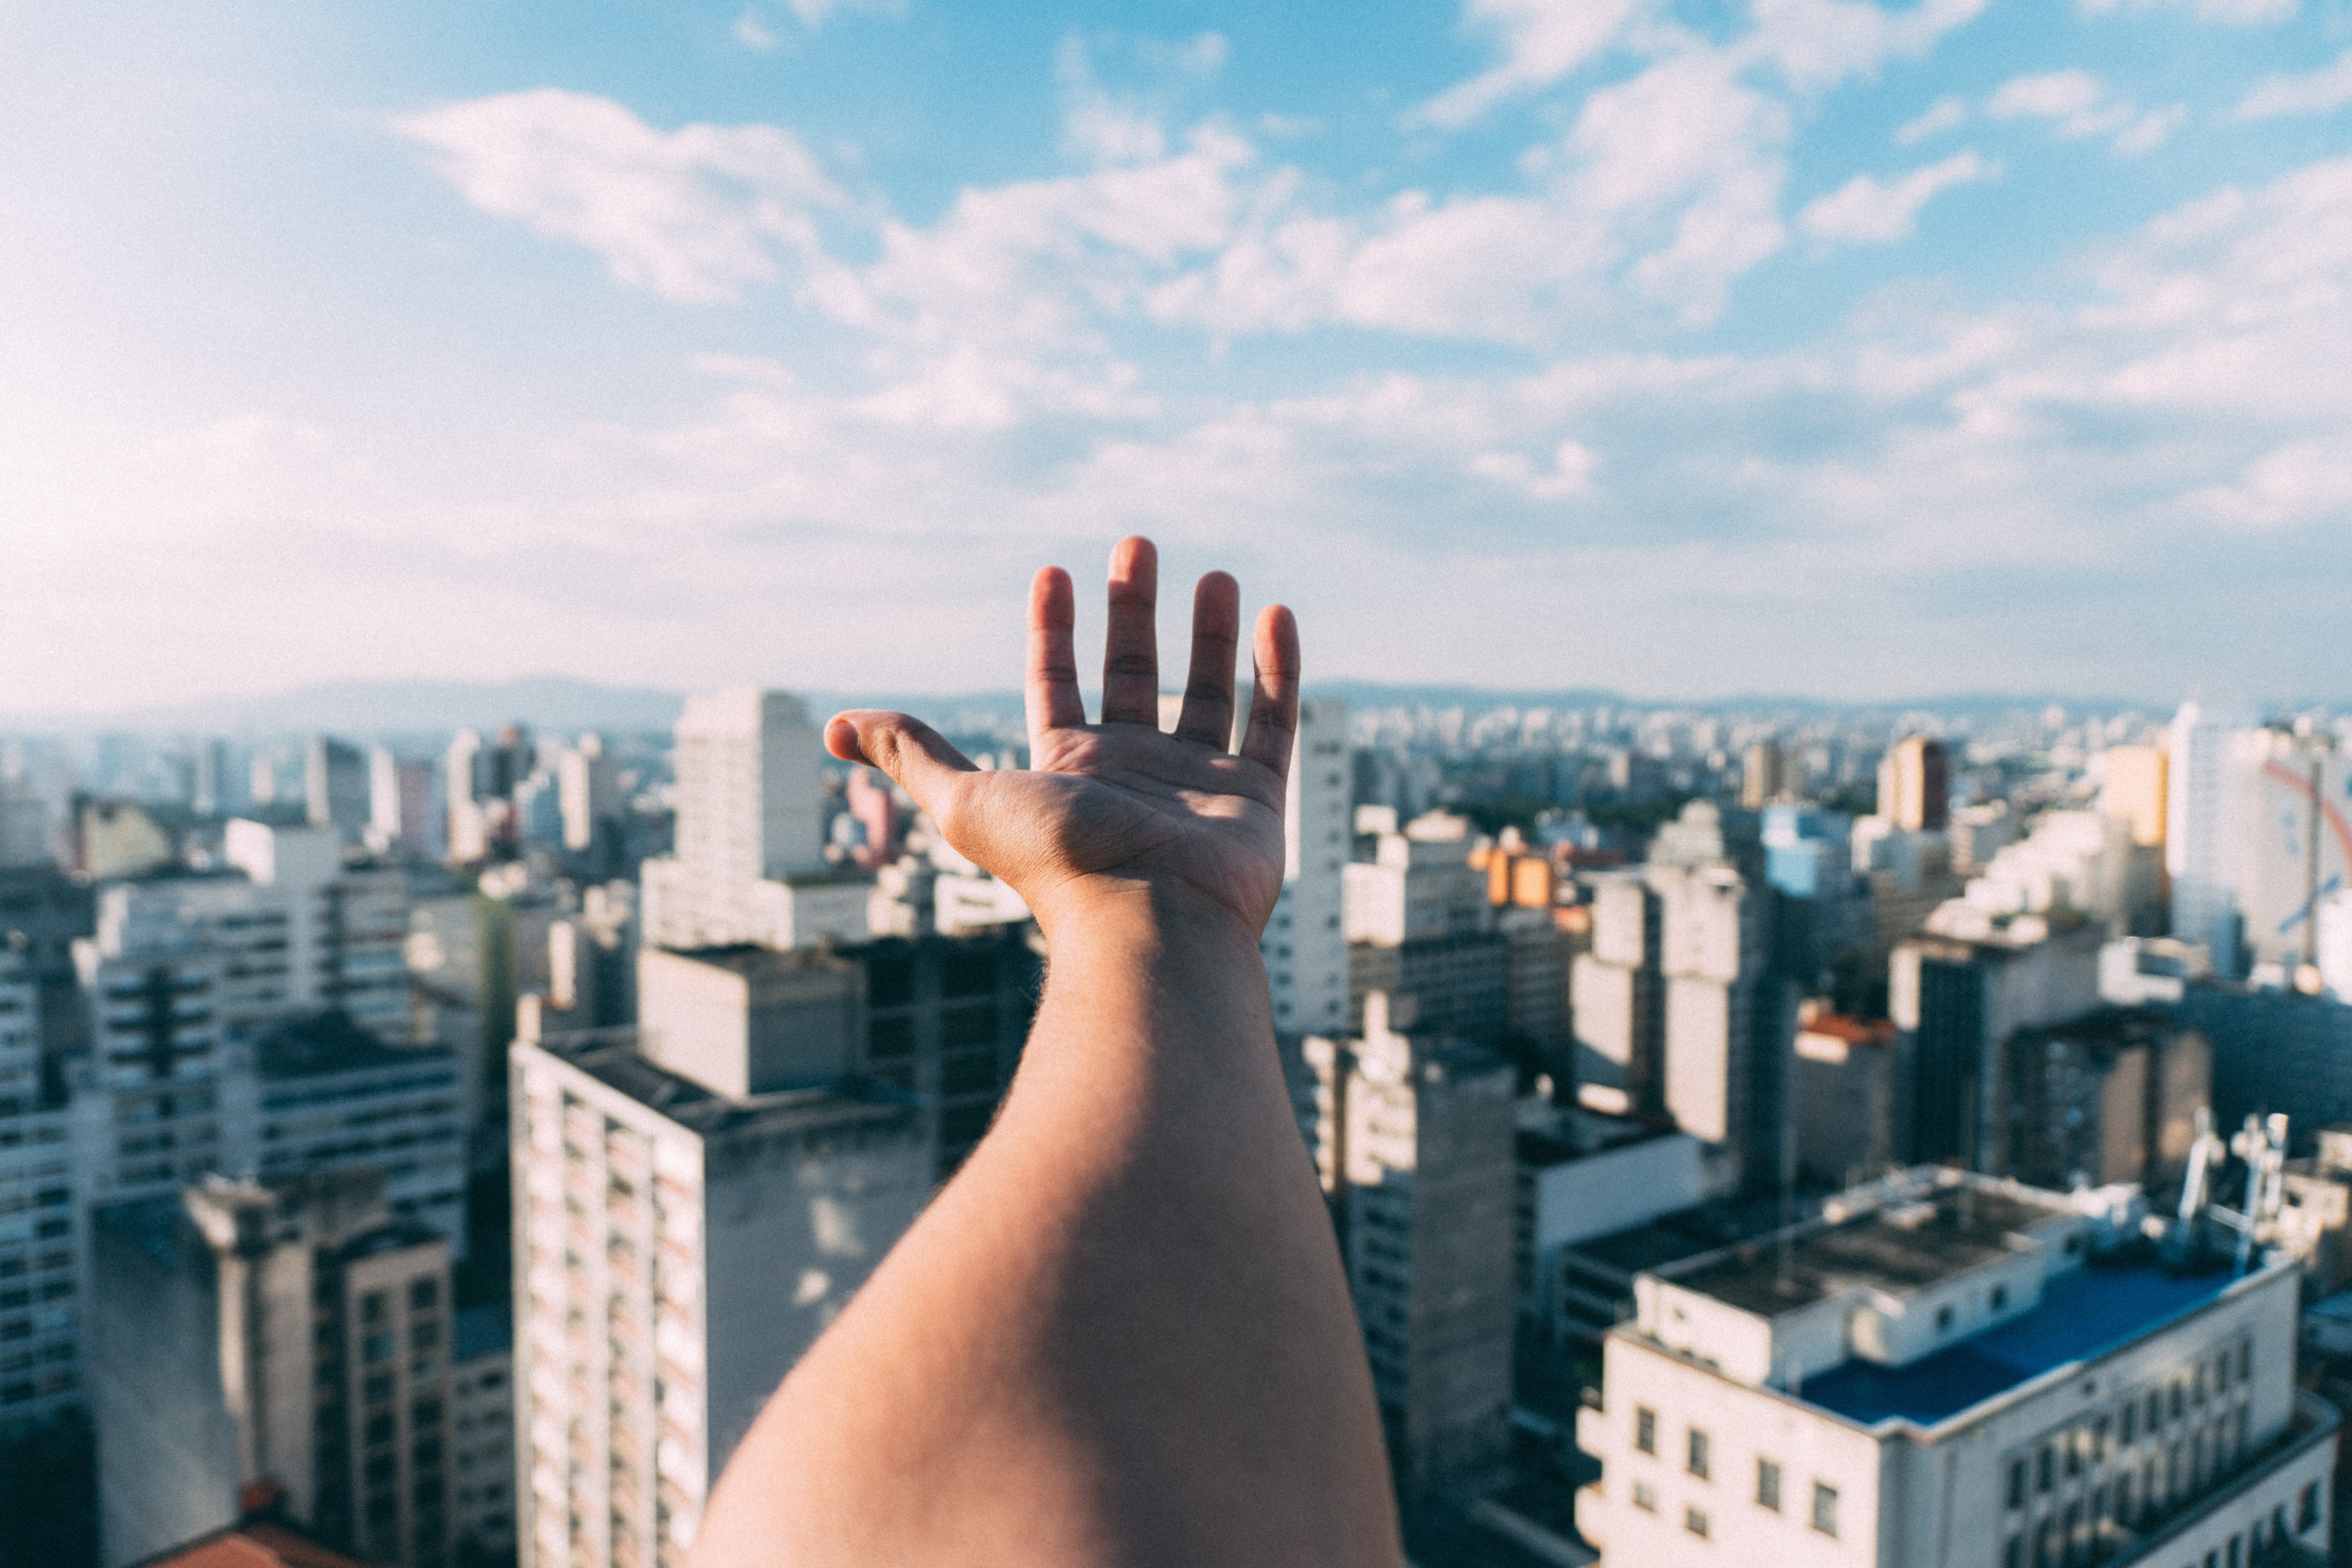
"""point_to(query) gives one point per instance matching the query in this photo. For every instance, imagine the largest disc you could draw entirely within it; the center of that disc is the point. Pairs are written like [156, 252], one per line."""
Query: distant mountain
[367, 709]
[370, 708]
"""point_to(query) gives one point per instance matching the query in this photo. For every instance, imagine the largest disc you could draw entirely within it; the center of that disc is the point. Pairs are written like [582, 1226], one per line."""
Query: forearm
[1122, 1333]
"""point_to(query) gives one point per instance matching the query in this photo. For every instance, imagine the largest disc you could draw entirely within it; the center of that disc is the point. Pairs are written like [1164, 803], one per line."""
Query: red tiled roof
[258, 1545]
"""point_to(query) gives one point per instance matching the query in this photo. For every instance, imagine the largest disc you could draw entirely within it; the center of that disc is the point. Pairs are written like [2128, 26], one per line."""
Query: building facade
[295, 1335]
[677, 1249]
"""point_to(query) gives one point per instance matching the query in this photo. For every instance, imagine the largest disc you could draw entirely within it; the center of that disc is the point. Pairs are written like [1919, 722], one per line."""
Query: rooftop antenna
[2262, 1144]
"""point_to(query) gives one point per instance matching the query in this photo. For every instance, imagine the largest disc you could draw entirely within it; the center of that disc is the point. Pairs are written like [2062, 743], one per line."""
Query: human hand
[1117, 808]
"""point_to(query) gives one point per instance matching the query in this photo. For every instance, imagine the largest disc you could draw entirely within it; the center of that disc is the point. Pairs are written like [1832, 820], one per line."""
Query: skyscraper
[1306, 950]
[1915, 784]
[2200, 846]
[680, 1241]
[750, 864]
[1421, 1139]
[41, 1271]
[297, 1334]
[335, 787]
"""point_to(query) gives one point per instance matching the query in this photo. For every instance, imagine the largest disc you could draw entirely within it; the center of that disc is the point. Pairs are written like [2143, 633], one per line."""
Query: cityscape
[1741, 1127]
[1813, 971]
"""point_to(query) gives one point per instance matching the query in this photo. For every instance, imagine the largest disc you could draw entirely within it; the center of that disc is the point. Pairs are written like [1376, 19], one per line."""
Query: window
[1644, 1498]
[424, 1295]
[371, 1307]
[1825, 1507]
[2130, 1425]
[1767, 1483]
[2013, 1554]
[377, 1346]
[2000, 1297]
[2017, 1483]
[1645, 1429]
[1695, 1460]
[2045, 1470]
[2246, 1361]
[2306, 1508]
[1943, 1319]
[1695, 1521]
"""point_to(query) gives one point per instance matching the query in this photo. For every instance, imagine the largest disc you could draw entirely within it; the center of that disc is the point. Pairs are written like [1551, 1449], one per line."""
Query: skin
[1121, 1334]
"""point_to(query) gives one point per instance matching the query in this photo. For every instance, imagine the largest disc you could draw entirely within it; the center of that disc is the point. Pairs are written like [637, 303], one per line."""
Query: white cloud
[815, 14]
[1940, 115]
[1865, 211]
[2228, 13]
[752, 32]
[1568, 476]
[1816, 44]
[2078, 105]
[1105, 128]
[2322, 92]
[693, 214]
[2301, 481]
[1542, 41]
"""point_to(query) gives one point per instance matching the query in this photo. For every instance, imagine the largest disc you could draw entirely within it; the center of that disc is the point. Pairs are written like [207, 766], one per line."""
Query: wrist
[1156, 914]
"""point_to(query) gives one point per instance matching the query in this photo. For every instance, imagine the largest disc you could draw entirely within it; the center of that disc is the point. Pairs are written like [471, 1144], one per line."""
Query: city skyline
[1618, 344]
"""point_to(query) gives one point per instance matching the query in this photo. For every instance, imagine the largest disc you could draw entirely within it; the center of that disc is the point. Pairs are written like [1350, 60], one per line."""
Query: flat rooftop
[2084, 1313]
[1897, 1249]
[610, 1056]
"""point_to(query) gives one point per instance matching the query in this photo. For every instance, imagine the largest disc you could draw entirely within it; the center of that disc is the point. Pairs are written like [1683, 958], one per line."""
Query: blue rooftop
[2083, 1314]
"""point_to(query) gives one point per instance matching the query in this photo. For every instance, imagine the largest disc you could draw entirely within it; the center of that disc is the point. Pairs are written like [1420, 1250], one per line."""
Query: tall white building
[1306, 949]
[589, 781]
[750, 863]
[335, 787]
[679, 1242]
[2200, 848]
[344, 926]
[1680, 1007]
[1950, 1371]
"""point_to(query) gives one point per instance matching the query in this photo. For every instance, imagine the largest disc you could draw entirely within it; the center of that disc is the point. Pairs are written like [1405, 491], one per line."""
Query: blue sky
[1800, 345]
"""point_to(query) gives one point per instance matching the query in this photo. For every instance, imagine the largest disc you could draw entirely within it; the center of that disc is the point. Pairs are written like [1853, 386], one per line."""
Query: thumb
[914, 754]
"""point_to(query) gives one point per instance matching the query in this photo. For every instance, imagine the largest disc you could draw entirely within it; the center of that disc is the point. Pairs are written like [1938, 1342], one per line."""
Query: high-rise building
[678, 1247]
[1763, 775]
[481, 1434]
[400, 804]
[41, 1255]
[345, 927]
[211, 795]
[294, 1334]
[1683, 1005]
[1956, 1002]
[1305, 946]
[2112, 1095]
[1915, 784]
[335, 787]
[2136, 788]
[2200, 844]
[2294, 844]
[330, 1096]
[1947, 1368]
[1421, 1141]
[589, 798]
[750, 864]
[26, 827]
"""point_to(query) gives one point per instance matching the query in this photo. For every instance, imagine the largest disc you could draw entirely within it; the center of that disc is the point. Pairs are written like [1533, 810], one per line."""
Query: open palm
[1117, 806]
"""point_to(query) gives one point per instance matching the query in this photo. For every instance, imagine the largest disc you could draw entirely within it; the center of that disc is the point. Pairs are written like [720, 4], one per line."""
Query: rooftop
[2083, 1314]
[1896, 1249]
[611, 1057]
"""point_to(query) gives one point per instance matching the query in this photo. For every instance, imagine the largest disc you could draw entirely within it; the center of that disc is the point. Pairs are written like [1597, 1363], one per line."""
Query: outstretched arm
[1121, 1334]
